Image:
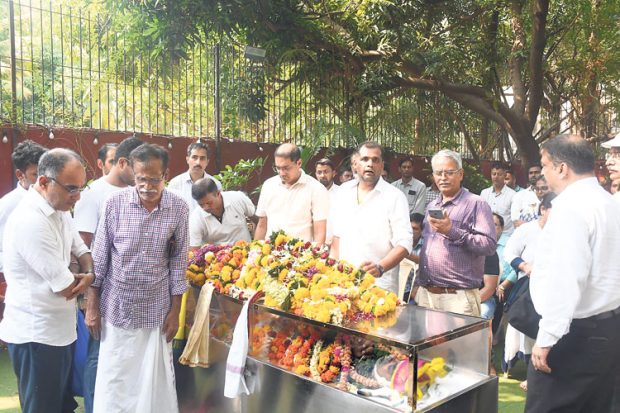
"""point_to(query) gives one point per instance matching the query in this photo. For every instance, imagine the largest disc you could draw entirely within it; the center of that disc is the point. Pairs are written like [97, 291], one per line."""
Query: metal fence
[61, 65]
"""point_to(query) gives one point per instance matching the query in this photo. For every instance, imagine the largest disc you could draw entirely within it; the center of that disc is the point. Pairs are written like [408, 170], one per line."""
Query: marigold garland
[295, 276]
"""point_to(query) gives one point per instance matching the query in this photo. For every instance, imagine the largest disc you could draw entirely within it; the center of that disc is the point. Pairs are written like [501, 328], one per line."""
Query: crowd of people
[116, 250]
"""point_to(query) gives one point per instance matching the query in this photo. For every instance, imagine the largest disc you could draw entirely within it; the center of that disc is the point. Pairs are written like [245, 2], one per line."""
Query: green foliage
[236, 178]
[474, 180]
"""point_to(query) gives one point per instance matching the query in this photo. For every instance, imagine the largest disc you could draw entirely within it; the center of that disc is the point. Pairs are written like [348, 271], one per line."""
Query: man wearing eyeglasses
[574, 286]
[292, 201]
[458, 236]
[612, 161]
[140, 253]
[39, 324]
[86, 217]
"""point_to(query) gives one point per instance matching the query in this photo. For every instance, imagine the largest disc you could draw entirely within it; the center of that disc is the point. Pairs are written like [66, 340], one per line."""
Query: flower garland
[261, 340]
[343, 384]
[278, 347]
[295, 276]
[300, 360]
[329, 363]
[314, 361]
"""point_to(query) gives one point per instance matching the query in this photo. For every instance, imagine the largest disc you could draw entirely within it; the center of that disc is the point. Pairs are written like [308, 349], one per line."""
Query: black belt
[591, 321]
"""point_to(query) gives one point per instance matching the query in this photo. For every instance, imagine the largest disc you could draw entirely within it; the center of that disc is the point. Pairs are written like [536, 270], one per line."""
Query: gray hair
[447, 153]
[54, 161]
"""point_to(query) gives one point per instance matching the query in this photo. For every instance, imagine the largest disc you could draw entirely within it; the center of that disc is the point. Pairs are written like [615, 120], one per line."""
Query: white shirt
[501, 203]
[182, 186]
[7, 205]
[369, 231]
[617, 196]
[415, 191]
[333, 192]
[39, 242]
[576, 273]
[523, 243]
[524, 206]
[205, 228]
[88, 208]
[293, 209]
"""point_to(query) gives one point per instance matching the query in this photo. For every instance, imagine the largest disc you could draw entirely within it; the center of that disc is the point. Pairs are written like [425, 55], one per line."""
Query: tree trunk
[528, 148]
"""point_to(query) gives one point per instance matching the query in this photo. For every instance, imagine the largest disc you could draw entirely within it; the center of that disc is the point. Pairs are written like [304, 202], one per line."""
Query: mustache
[147, 191]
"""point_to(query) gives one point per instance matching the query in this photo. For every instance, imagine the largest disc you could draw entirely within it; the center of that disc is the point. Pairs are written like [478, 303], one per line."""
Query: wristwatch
[381, 269]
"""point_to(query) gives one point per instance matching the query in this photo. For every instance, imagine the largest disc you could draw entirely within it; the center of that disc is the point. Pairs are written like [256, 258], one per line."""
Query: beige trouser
[462, 302]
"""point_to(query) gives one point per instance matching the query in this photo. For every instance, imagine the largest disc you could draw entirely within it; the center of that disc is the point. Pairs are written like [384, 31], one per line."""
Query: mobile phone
[436, 213]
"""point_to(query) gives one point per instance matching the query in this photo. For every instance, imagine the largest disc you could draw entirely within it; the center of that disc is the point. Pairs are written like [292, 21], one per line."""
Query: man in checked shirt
[140, 255]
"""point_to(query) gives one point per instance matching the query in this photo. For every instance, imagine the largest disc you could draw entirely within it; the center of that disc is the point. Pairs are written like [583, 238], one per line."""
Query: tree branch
[537, 49]
[516, 60]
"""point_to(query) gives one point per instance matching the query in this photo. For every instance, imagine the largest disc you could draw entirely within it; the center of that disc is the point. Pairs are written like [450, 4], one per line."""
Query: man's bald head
[288, 151]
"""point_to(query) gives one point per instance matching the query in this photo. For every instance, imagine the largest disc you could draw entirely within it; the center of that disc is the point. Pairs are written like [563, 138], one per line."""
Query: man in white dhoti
[140, 256]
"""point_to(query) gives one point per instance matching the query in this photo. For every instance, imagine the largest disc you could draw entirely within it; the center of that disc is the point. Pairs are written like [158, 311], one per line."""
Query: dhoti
[135, 372]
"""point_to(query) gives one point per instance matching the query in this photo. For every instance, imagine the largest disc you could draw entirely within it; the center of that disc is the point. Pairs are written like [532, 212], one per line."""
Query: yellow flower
[323, 316]
[266, 250]
[302, 293]
[317, 294]
[209, 256]
[281, 238]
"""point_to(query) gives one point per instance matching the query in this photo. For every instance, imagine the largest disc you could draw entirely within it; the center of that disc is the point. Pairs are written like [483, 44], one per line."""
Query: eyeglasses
[541, 188]
[143, 180]
[448, 172]
[612, 155]
[71, 189]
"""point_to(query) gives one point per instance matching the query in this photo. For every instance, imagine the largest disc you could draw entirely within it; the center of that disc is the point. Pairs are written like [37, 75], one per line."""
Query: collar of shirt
[380, 186]
[188, 178]
[40, 202]
[410, 183]
[502, 192]
[453, 201]
[303, 180]
[164, 202]
[574, 191]
[333, 188]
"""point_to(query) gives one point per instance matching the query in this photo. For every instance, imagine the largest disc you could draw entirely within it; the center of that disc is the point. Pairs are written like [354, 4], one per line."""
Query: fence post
[13, 82]
[217, 108]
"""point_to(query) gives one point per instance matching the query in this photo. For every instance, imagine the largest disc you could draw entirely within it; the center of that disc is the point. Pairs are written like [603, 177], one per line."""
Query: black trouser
[497, 317]
[43, 377]
[583, 365]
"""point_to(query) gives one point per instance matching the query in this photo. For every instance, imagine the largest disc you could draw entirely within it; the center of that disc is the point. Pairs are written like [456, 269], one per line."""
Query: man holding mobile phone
[458, 234]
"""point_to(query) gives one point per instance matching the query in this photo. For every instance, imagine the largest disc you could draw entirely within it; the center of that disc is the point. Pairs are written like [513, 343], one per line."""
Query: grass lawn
[511, 397]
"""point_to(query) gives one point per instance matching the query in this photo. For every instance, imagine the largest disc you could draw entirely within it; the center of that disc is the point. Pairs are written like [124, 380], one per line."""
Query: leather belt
[440, 290]
[591, 321]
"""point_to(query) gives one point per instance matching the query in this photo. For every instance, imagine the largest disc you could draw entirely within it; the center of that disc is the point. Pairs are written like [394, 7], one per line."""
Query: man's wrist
[380, 269]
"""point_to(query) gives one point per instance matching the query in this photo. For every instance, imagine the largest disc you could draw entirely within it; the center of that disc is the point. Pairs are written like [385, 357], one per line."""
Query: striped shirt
[140, 258]
[456, 260]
